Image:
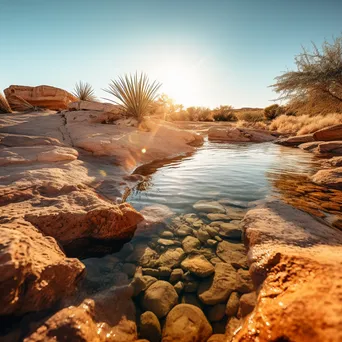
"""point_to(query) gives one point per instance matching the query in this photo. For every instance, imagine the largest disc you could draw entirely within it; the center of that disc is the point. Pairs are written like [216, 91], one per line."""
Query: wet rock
[309, 146]
[218, 217]
[198, 265]
[129, 269]
[176, 275]
[247, 303]
[216, 312]
[166, 234]
[335, 162]
[231, 231]
[159, 298]
[209, 207]
[215, 261]
[212, 231]
[212, 243]
[191, 298]
[34, 272]
[164, 271]
[235, 213]
[329, 177]
[153, 272]
[217, 338]
[149, 327]
[232, 326]
[218, 288]
[232, 253]
[166, 242]
[190, 243]
[295, 141]
[330, 147]
[186, 323]
[143, 255]
[202, 235]
[171, 258]
[197, 224]
[244, 282]
[184, 230]
[141, 282]
[190, 282]
[179, 286]
[329, 133]
[233, 303]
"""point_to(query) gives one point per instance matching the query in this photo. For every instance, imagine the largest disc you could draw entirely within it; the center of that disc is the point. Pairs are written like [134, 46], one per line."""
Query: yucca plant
[134, 93]
[4, 105]
[84, 91]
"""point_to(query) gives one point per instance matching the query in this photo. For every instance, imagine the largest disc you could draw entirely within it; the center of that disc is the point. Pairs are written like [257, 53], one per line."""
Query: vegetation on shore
[84, 91]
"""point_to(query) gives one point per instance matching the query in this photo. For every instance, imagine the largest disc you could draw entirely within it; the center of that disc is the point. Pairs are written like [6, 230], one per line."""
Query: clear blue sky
[204, 52]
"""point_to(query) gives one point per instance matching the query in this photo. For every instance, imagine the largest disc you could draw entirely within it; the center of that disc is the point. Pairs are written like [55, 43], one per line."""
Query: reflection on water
[244, 172]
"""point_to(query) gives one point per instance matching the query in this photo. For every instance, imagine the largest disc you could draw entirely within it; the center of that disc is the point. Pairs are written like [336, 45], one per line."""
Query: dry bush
[4, 105]
[271, 112]
[304, 124]
[255, 125]
[250, 116]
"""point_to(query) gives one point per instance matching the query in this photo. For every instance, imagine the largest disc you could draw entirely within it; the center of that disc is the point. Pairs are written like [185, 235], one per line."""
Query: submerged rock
[329, 133]
[247, 303]
[190, 243]
[149, 327]
[198, 265]
[186, 323]
[171, 258]
[232, 306]
[209, 207]
[329, 177]
[233, 253]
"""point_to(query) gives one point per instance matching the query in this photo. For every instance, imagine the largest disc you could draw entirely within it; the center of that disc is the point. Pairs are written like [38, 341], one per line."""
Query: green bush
[271, 112]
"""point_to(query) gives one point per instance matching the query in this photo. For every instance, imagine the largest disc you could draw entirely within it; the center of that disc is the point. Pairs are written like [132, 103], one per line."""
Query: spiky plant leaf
[84, 91]
[4, 105]
[134, 93]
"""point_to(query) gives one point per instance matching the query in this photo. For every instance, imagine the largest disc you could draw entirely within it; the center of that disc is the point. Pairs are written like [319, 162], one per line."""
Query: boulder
[186, 323]
[247, 303]
[330, 147]
[209, 207]
[218, 288]
[95, 106]
[190, 244]
[232, 305]
[329, 177]
[329, 133]
[216, 312]
[34, 272]
[160, 298]
[295, 141]
[149, 327]
[198, 265]
[41, 96]
[171, 258]
[234, 134]
[233, 253]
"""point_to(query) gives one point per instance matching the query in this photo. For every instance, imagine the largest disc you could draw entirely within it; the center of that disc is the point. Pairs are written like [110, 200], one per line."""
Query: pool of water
[241, 172]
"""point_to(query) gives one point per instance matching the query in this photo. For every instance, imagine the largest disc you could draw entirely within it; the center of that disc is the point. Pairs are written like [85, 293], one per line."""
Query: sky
[204, 52]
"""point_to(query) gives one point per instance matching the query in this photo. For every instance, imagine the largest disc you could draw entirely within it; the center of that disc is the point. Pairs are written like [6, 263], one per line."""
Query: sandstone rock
[149, 327]
[176, 275]
[330, 147]
[218, 217]
[335, 161]
[247, 303]
[232, 304]
[217, 338]
[93, 105]
[171, 258]
[235, 134]
[232, 327]
[297, 260]
[198, 265]
[232, 253]
[88, 118]
[216, 312]
[309, 146]
[217, 289]
[15, 140]
[329, 177]
[106, 221]
[35, 273]
[41, 96]
[159, 298]
[190, 243]
[209, 207]
[243, 281]
[143, 255]
[295, 141]
[191, 298]
[186, 323]
[329, 133]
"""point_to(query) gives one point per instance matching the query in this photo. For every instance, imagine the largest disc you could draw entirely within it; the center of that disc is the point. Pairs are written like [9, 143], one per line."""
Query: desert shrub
[200, 114]
[247, 116]
[84, 91]
[271, 112]
[166, 108]
[134, 93]
[250, 124]
[304, 124]
[224, 113]
[4, 105]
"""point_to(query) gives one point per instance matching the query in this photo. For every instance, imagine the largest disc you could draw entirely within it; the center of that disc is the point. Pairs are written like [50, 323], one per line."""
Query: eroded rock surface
[235, 134]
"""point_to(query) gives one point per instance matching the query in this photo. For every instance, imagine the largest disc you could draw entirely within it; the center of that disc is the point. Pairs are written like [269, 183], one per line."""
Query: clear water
[241, 171]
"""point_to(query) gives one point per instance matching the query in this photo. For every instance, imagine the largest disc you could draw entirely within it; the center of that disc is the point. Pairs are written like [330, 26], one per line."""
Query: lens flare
[143, 150]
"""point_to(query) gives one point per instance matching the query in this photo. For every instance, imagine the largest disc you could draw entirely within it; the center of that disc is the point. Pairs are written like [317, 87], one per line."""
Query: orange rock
[329, 133]
[41, 96]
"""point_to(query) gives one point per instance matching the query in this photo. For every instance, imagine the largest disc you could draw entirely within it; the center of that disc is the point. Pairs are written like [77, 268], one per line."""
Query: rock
[230, 230]
[235, 213]
[212, 231]
[15, 140]
[217, 338]
[149, 327]
[41, 96]
[335, 161]
[309, 146]
[232, 304]
[179, 286]
[216, 312]
[34, 272]
[164, 271]
[330, 147]
[106, 221]
[232, 326]
[212, 243]
[295, 141]
[202, 235]
[190, 282]
[247, 303]
[243, 281]
[209, 207]
[217, 289]
[129, 269]
[171, 258]
[232, 253]
[159, 298]
[151, 272]
[190, 298]
[184, 230]
[186, 323]
[329, 177]
[297, 260]
[141, 283]
[198, 265]
[166, 242]
[176, 275]
[218, 217]
[235, 134]
[166, 234]
[329, 133]
[96, 106]
[143, 256]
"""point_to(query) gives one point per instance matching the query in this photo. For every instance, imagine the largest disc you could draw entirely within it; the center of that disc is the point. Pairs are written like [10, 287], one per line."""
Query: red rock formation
[42, 96]
[329, 133]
